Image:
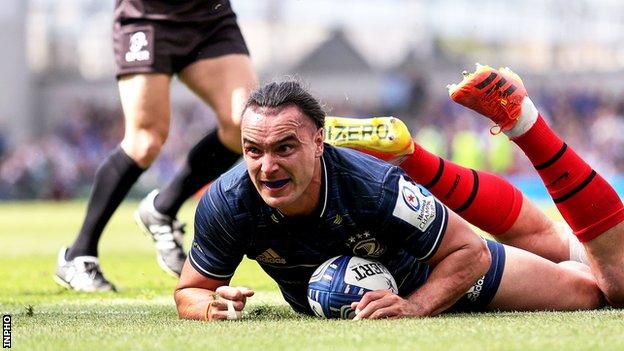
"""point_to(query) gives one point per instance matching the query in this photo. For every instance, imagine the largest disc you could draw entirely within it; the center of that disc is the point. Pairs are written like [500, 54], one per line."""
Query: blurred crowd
[61, 163]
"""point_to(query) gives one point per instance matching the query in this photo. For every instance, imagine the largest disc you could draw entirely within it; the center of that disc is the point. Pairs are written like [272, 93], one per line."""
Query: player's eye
[252, 151]
[285, 149]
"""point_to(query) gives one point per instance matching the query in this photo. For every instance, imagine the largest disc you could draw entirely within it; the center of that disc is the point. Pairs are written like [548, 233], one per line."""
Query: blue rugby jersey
[368, 208]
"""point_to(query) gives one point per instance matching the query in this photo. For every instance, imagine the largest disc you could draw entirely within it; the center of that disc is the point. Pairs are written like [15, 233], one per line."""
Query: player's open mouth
[276, 184]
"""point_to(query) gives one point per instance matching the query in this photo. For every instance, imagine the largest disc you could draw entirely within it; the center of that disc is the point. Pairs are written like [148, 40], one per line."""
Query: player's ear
[319, 137]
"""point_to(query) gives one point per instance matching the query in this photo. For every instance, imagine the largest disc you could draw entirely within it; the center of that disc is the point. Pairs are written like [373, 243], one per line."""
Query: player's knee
[590, 294]
[230, 135]
[483, 257]
[144, 146]
[614, 295]
[584, 291]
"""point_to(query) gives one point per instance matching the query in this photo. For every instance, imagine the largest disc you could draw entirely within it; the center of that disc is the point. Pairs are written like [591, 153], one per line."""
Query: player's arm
[203, 298]
[202, 292]
[459, 261]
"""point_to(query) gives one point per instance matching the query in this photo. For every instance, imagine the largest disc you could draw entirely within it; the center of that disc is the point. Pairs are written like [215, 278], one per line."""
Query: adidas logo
[270, 256]
[496, 86]
[473, 293]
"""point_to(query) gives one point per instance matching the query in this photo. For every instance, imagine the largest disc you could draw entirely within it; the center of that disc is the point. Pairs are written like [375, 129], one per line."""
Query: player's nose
[268, 164]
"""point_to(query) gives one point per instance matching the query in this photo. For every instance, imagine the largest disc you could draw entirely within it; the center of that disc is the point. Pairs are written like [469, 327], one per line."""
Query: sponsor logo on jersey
[338, 219]
[410, 198]
[137, 50]
[196, 246]
[414, 205]
[270, 256]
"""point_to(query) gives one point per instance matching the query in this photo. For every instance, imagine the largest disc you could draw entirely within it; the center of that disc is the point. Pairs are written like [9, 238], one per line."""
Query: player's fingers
[229, 292]
[369, 297]
[224, 309]
[225, 315]
[387, 312]
[245, 291]
[381, 303]
[222, 304]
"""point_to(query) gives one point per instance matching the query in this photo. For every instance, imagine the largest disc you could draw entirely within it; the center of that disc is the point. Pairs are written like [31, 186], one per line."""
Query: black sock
[113, 180]
[204, 163]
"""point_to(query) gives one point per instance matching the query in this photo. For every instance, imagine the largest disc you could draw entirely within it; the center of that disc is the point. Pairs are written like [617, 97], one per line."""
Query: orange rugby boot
[496, 94]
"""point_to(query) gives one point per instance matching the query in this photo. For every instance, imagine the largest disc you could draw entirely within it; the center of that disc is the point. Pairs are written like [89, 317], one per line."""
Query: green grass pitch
[142, 315]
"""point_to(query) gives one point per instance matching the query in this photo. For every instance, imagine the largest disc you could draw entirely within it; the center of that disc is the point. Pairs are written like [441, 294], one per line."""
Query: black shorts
[482, 292]
[151, 46]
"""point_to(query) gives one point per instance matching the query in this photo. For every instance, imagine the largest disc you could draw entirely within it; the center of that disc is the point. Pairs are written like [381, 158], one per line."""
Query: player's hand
[228, 303]
[383, 304]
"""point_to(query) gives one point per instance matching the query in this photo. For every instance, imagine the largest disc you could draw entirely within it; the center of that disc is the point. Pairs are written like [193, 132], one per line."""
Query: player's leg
[220, 72]
[485, 200]
[214, 64]
[224, 83]
[489, 202]
[145, 102]
[532, 283]
[586, 201]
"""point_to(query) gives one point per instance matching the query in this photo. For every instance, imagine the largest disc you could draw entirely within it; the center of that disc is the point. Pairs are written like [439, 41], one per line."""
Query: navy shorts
[482, 292]
[150, 46]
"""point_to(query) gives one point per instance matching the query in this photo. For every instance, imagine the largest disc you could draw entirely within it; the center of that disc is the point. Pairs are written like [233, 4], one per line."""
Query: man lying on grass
[296, 202]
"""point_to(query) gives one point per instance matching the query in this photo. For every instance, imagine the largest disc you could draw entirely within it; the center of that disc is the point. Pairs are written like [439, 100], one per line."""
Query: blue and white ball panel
[342, 280]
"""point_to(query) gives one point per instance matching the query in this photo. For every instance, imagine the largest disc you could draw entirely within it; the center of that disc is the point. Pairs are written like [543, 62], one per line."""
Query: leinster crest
[364, 245]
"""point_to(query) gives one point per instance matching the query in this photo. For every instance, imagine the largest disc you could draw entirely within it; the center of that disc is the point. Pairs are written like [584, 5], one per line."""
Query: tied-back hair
[279, 95]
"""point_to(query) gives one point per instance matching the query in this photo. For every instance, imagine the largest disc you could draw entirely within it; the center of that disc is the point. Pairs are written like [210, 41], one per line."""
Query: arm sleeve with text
[415, 219]
[218, 245]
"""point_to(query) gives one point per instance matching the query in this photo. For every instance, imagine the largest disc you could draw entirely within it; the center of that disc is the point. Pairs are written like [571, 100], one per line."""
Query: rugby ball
[342, 280]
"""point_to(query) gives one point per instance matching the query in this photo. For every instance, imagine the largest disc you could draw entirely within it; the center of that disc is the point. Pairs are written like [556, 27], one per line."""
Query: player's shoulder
[362, 183]
[358, 166]
[230, 194]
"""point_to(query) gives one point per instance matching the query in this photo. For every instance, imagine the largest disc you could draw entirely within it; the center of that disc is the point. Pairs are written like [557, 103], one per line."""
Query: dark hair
[278, 95]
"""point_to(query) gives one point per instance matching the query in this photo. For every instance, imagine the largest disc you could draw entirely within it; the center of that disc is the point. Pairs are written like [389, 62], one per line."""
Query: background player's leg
[531, 282]
[224, 83]
[145, 102]
[147, 110]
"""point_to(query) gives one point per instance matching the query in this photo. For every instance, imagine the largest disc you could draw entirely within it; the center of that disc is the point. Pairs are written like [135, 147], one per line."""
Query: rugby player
[590, 206]
[297, 202]
[201, 43]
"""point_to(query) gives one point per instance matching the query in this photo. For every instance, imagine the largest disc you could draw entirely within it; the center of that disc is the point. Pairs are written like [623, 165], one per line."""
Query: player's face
[282, 151]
